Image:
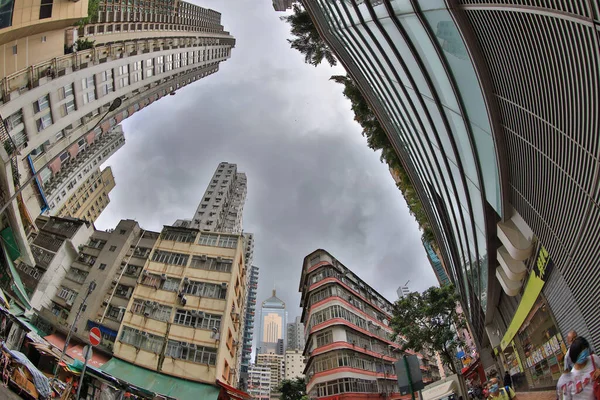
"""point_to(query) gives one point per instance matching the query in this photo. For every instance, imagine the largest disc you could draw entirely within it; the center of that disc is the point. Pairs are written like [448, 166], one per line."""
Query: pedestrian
[586, 370]
[562, 387]
[572, 335]
[507, 380]
[500, 393]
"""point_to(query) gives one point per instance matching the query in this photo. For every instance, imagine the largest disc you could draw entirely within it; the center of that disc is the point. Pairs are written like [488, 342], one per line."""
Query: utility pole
[114, 105]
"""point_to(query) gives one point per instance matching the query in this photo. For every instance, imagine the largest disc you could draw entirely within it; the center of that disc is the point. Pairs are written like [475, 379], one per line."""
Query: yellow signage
[534, 286]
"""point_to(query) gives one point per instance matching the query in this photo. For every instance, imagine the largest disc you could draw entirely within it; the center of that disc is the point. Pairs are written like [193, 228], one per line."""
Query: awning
[440, 391]
[16, 285]
[165, 385]
[75, 351]
[30, 327]
[231, 393]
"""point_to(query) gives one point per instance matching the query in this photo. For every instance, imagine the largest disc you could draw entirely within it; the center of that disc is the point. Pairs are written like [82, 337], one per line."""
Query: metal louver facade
[492, 106]
[544, 61]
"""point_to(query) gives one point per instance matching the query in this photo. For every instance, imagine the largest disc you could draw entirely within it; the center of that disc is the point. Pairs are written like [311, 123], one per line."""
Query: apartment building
[222, 205]
[91, 198]
[259, 382]
[67, 174]
[349, 351]
[294, 364]
[113, 260]
[54, 105]
[55, 246]
[295, 335]
[276, 364]
[249, 323]
[183, 318]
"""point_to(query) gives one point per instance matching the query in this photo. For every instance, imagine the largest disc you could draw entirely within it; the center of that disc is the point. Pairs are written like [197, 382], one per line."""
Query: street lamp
[90, 289]
[113, 106]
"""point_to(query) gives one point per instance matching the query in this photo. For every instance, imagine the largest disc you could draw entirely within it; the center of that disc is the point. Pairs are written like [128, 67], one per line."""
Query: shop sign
[535, 283]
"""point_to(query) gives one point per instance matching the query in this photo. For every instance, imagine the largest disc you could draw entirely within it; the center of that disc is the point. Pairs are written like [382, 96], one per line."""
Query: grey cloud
[312, 180]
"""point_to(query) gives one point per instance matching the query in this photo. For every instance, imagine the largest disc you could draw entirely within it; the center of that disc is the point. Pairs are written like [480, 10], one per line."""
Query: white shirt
[580, 384]
[562, 387]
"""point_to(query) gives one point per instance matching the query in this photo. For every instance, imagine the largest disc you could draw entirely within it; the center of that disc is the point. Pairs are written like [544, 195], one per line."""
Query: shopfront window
[543, 347]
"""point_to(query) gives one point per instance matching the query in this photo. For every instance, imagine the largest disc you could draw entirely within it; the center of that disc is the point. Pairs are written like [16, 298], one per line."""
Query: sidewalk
[550, 395]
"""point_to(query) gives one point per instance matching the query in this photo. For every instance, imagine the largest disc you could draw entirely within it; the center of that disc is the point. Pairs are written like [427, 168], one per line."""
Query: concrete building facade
[294, 364]
[187, 307]
[249, 321]
[114, 261]
[91, 198]
[295, 335]
[222, 205]
[478, 148]
[349, 352]
[276, 364]
[56, 103]
[282, 5]
[259, 382]
[273, 318]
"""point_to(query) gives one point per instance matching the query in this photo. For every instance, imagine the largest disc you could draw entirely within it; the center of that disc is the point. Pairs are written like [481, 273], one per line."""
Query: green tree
[307, 39]
[428, 321]
[292, 389]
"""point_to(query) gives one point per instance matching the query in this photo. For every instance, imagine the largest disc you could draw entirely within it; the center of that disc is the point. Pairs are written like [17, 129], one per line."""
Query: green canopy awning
[166, 385]
[16, 284]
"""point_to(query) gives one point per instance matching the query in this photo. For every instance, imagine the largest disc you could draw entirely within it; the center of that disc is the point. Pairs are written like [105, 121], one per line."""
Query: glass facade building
[413, 67]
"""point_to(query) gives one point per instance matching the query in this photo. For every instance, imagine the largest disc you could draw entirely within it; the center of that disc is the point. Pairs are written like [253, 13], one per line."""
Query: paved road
[6, 393]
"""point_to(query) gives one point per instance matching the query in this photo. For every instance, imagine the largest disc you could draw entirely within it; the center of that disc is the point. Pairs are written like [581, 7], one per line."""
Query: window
[68, 107]
[112, 248]
[123, 291]
[44, 121]
[179, 236]
[43, 39]
[77, 275]
[208, 239]
[167, 257]
[64, 157]
[89, 97]
[143, 340]
[67, 90]
[197, 319]
[115, 312]
[122, 232]
[191, 352]
[102, 266]
[67, 294]
[171, 284]
[151, 309]
[123, 69]
[149, 279]
[42, 103]
[16, 128]
[46, 9]
[211, 264]
[96, 243]
[228, 241]
[88, 82]
[205, 289]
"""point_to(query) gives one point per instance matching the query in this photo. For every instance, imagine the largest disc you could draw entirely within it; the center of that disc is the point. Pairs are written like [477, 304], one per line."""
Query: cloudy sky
[312, 180]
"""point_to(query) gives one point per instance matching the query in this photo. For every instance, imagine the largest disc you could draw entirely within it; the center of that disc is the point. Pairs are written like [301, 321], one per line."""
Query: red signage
[95, 336]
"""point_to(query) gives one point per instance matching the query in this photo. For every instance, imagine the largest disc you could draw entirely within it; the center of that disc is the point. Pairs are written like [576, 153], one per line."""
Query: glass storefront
[541, 347]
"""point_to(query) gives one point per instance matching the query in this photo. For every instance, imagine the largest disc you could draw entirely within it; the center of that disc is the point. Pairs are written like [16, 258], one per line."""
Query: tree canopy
[433, 323]
[307, 39]
[292, 389]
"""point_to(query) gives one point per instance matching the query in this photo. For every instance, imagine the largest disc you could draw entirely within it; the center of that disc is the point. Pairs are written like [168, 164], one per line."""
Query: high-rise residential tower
[282, 5]
[295, 335]
[249, 322]
[272, 324]
[55, 103]
[456, 88]
[222, 205]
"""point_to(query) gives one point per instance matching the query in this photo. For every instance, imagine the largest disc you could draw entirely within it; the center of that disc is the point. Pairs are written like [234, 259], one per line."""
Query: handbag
[596, 381]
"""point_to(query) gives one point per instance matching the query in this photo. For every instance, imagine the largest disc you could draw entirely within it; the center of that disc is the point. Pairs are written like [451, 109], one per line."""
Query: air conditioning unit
[147, 302]
[183, 300]
[219, 259]
[163, 277]
[235, 342]
[145, 334]
[201, 314]
[186, 280]
[146, 314]
[203, 257]
[224, 286]
[193, 313]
